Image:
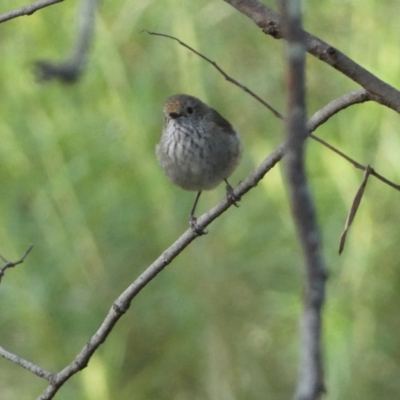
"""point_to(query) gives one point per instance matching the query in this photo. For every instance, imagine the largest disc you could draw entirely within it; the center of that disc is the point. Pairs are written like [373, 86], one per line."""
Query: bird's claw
[195, 227]
[230, 195]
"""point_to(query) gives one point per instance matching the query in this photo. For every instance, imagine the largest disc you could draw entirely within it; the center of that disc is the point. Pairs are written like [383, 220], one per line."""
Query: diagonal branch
[270, 23]
[122, 304]
[27, 10]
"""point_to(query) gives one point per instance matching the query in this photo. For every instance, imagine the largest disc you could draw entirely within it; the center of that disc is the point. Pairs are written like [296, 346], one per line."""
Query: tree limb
[270, 23]
[310, 384]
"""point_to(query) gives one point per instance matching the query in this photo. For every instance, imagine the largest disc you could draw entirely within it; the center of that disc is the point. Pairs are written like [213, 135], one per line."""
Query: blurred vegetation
[79, 180]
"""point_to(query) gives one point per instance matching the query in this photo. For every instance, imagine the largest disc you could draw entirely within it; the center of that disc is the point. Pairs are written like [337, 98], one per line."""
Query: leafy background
[79, 180]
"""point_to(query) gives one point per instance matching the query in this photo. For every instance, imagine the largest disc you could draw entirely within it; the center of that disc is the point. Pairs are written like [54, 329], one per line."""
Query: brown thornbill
[198, 148]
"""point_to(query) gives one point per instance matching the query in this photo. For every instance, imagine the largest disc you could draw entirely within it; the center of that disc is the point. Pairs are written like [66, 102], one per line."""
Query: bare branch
[122, 303]
[27, 10]
[354, 207]
[70, 70]
[11, 264]
[310, 384]
[40, 372]
[270, 23]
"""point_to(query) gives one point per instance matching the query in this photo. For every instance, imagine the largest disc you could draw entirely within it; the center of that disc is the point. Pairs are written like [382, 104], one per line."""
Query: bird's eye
[189, 110]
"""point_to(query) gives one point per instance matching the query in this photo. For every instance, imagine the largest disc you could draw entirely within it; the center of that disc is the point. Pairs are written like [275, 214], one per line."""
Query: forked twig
[11, 264]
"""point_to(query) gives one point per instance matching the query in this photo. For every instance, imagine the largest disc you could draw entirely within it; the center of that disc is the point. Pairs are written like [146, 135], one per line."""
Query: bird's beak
[174, 115]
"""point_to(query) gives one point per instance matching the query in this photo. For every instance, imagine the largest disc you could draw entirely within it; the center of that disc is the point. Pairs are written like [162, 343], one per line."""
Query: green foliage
[79, 180]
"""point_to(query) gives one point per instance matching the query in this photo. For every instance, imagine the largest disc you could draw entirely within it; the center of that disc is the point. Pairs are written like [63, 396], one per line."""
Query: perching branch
[270, 23]
[70, 70]
[122, 304]
[11, 264]
[27, 10]
[310, 384]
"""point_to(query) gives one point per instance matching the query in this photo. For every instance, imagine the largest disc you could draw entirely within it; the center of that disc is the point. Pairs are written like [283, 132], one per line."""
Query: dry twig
[354, 207]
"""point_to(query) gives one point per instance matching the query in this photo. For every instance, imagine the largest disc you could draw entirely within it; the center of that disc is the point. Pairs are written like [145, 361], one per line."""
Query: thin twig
[226, 76]
[27, 10]
[357, 164]
[310, 385]
[11, 264]
[354, 207]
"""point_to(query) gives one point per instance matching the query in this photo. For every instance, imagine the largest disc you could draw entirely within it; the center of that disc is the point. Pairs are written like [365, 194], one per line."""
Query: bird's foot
[230, 195]
[195, 227]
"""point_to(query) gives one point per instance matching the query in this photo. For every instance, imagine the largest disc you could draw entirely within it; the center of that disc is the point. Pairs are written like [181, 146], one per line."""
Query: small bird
[198, 148]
